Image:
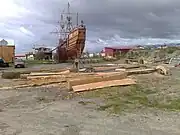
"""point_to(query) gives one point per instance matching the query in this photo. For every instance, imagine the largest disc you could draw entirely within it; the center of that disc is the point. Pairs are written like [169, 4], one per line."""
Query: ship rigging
[71, 37]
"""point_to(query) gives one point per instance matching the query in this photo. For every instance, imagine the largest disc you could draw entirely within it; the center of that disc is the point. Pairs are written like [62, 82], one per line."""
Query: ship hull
[73, 46]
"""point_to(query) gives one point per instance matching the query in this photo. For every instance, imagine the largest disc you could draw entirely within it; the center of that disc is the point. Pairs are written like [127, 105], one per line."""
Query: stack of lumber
[90, 81]
[99, 81]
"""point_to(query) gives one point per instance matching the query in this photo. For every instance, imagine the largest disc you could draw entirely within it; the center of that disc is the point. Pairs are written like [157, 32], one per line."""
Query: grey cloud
[105, 19]
[132, 17]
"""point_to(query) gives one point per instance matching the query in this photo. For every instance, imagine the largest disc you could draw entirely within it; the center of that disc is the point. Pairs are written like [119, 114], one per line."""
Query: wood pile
[90, 81]
[99, 81]
[97, 78]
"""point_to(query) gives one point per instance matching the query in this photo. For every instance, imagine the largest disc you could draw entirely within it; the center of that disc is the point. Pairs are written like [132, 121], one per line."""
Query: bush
[171, 50]
[39, 56]
[11, 75]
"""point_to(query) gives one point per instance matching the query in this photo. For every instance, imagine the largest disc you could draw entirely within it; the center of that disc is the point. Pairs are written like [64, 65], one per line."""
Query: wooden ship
[71, 38]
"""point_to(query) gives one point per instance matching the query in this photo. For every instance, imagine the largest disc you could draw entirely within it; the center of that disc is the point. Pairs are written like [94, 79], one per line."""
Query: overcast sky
[108, 22]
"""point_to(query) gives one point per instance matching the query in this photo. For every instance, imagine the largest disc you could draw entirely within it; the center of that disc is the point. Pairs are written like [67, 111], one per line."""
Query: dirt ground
[43, 111]
[52, 110]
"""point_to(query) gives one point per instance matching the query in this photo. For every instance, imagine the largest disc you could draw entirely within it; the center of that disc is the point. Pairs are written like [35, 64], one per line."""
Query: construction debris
[141, 71]
[141, 61]
[130, 61]
[87, 69]
[128, 66]
[24, 76]
[163, 70]
[165, 60]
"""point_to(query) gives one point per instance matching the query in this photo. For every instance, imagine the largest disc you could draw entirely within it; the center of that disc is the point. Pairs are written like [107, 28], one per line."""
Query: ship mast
[69, 18]
[62, 28]
[65, 24]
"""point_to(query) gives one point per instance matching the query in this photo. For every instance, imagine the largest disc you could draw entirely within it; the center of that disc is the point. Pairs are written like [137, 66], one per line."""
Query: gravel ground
[49, 111]
[44, 111]
[38, 67]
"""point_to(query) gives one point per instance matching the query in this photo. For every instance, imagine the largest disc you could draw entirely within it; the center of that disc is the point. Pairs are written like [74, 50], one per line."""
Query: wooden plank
[59, 76]
[141, 71]
[106, 73]
[33, 84]
[104, 68]
[120, 69]
[46, 74]
[104, 84]
[45, 77]
[129, 66]
[98, 78]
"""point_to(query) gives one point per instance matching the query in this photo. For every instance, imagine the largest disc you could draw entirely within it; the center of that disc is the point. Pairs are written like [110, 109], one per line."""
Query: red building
[20, 56]
[112, 51]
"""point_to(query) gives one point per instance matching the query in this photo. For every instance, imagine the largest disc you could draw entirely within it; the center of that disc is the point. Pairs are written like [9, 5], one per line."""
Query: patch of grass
[173, 105]
[132, 98]
[118, 99]
[114, 105]
[35, 62]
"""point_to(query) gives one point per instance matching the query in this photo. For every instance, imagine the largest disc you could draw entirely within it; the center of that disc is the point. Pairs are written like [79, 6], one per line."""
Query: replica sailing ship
[71, 38]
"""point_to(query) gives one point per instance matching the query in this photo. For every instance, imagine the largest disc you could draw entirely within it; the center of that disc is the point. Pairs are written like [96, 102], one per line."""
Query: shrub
[11, 75]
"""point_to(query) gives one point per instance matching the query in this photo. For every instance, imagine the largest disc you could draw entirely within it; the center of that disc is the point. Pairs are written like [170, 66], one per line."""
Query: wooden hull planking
[74, 45]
